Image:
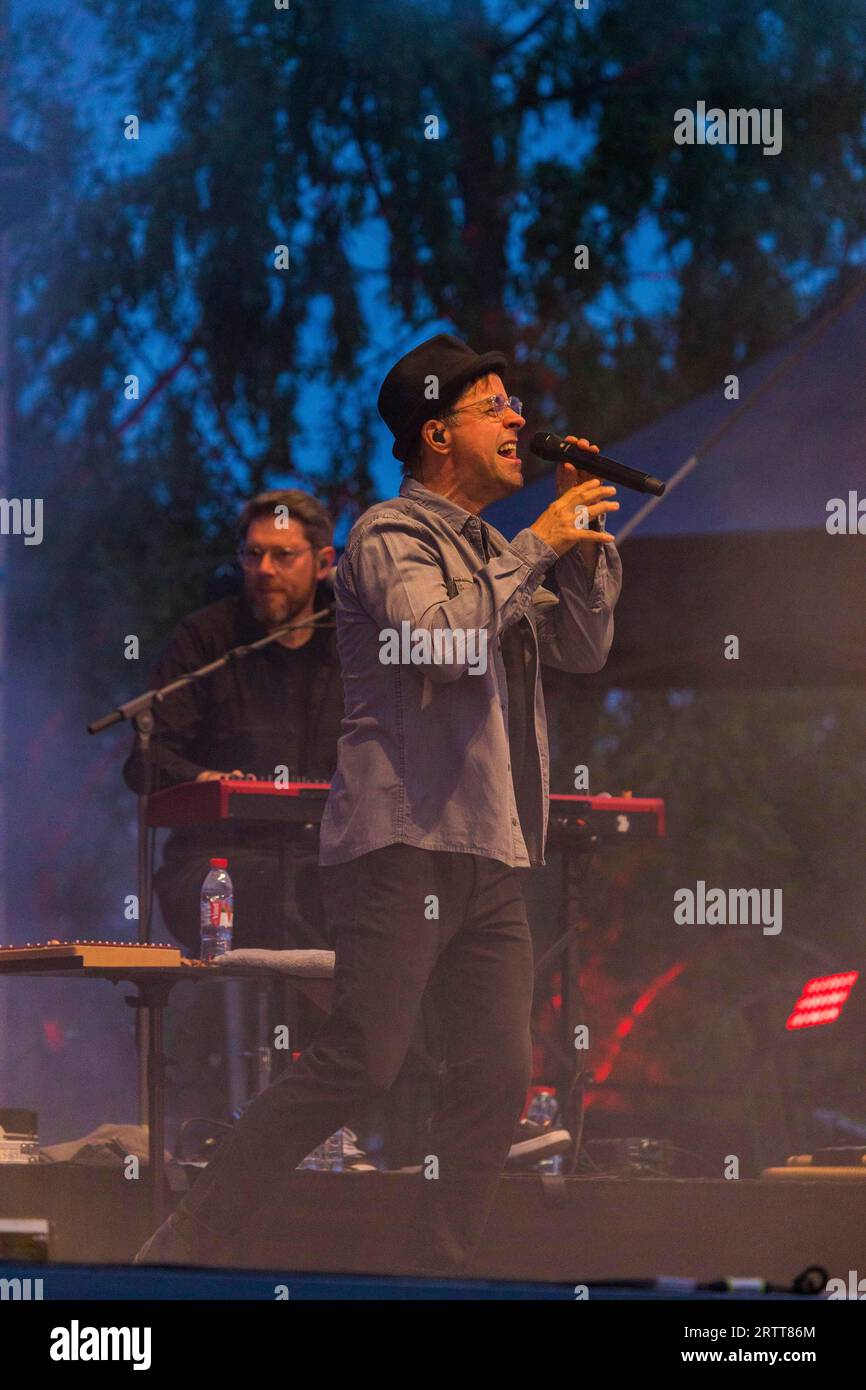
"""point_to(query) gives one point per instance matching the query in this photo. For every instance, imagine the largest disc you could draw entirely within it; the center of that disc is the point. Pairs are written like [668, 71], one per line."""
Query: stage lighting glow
[821, 1000]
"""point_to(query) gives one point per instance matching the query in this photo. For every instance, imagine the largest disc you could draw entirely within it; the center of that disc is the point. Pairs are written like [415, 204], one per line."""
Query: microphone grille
[547, 446]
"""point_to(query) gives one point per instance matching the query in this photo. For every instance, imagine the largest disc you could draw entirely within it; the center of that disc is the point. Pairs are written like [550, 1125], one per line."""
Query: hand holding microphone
[577, 451]
[582, 497]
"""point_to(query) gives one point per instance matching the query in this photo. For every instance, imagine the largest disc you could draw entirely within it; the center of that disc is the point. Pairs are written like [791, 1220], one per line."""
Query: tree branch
[517, 40]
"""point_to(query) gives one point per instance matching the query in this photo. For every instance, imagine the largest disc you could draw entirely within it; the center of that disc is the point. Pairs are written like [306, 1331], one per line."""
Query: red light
[625, 1025]
[821, 1000]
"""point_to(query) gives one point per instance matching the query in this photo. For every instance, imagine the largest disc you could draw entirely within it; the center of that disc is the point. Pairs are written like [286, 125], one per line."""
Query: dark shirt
[278, 707]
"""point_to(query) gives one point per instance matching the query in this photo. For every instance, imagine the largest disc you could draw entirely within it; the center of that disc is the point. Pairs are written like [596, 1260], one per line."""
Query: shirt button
[513, 820]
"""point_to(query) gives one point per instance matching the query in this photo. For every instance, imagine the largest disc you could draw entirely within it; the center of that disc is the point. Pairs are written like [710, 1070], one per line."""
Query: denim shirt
[423, 757]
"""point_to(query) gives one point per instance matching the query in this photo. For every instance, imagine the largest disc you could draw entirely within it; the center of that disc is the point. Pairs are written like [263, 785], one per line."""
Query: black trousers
[407, 922]
[279, 905]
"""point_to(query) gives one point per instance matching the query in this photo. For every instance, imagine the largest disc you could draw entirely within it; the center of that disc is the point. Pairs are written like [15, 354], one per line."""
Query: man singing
[440, 796]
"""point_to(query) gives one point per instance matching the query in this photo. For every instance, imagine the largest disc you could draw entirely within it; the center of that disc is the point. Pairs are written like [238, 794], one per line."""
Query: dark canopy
[740, 546]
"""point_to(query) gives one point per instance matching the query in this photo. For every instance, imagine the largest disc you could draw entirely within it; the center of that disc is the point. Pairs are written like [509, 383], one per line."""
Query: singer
[439, 798]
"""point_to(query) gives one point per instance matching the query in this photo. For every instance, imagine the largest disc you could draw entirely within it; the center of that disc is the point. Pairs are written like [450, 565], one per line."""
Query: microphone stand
[141, 713]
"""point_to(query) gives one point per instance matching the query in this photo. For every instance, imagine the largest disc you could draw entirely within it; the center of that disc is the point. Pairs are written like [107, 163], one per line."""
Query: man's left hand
[568, 476]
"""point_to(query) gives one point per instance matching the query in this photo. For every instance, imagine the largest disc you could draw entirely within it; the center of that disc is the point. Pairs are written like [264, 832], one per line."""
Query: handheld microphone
[556, 450]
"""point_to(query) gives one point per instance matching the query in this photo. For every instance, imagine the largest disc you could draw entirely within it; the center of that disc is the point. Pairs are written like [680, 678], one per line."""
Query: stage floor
[566, 1230]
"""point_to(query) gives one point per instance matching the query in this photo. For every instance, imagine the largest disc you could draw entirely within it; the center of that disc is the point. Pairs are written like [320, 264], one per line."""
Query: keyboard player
[278, 707]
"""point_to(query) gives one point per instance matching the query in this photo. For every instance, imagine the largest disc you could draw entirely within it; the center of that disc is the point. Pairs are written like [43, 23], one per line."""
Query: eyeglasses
[251, 556]
[497, 406]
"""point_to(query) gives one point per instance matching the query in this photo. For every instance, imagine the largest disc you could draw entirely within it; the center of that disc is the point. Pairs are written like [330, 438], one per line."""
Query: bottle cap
[219, 863]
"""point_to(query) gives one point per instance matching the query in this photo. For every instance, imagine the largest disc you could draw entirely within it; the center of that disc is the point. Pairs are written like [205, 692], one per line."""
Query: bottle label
[219, 914]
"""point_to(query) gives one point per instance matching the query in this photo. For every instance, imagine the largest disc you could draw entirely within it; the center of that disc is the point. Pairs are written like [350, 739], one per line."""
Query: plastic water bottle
[544, 1110]
[333, 1155]
[217, 911]
[328, 1157]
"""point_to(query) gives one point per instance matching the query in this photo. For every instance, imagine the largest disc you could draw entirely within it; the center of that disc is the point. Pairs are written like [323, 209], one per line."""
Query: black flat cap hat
[433, 371]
